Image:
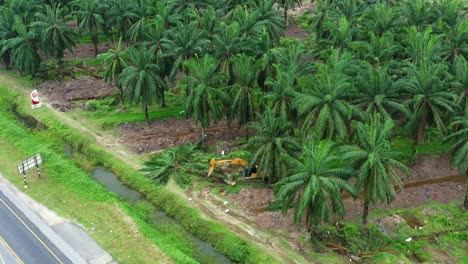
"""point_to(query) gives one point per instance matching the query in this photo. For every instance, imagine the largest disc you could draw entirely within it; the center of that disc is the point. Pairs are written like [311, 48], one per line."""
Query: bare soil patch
[60, 94]
[163, 134]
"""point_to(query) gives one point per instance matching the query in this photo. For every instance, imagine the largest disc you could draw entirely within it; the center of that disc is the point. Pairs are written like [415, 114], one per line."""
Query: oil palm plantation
[314, 184]
[142, 79]
[115, 63]
[56, 35]
[376, 163]
[274, 140]
[207, 101]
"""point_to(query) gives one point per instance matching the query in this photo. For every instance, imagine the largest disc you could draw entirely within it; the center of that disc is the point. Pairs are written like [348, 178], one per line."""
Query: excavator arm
[235, 161]
[248, 173]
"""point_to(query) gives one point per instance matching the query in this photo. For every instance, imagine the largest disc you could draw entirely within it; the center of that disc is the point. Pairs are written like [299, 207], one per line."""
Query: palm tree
[228, 44]
[380, 18]
[23, 48]
[294, 59]
[423, 46]
[287, 5]
[179, 163]
[56, 35]
[25, 9]
[281, 95]
[324, 105]
[274, 140]
[430, 101]
[245, 72]
[121, 16]
[378, 94]
[143, 12]
[459, 149]
[7, 31]
[183, 42]
[314, 184]
[378, 50]
[206, 100]
[342, 33]
[115, 61]
[417, 13]
[142, 80]
[376, 163]
[269, 19]
[90, 17]
[320, 16]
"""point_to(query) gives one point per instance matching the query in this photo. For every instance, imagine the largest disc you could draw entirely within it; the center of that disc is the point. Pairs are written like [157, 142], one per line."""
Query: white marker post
[36, 103]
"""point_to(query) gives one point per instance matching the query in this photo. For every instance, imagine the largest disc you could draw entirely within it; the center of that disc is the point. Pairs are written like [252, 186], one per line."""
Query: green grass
[84, 198]
[108, 113]
[86, 39]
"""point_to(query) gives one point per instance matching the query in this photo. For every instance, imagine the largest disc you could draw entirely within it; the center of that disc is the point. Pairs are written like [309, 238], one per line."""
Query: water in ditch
[204, 252]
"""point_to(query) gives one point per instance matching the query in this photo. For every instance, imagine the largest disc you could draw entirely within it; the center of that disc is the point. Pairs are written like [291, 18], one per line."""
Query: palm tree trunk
[146, 114]
[121, 95]
[421, 129]
[365, 213]
[163, 100]
[285, 17]
[94, 38]
[202, 135]
[465, 203]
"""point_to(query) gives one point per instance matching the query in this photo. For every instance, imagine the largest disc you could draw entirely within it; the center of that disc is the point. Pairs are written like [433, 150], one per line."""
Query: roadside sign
[36, 103]
[28, 164]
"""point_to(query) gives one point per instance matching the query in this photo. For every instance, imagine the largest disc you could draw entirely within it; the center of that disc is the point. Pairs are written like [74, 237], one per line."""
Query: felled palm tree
[375, 161]
[179, 163]
[274, 140]
[314, 184]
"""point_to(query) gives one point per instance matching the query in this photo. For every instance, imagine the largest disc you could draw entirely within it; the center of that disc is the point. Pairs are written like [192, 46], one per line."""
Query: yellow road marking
[34, 234]
[11, 250]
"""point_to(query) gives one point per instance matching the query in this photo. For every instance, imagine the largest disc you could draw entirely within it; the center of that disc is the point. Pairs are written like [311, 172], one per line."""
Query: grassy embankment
[216, 234]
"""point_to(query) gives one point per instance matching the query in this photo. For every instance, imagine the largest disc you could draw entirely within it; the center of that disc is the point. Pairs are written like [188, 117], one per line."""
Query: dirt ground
[61, 94]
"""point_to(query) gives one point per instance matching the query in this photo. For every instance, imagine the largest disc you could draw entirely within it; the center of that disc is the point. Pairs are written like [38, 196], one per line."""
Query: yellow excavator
[248, 173]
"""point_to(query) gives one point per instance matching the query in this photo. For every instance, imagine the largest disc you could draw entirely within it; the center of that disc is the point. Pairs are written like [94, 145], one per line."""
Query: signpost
[36, 103]
[28, 164]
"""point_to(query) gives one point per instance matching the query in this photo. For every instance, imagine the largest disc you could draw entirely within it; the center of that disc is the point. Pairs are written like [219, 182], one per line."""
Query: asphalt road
[21, 241]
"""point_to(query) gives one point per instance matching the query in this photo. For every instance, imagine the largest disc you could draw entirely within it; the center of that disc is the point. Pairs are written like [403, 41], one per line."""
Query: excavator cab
[247, 172]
